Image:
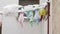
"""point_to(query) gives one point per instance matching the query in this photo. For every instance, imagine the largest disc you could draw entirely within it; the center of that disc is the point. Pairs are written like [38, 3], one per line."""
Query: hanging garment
[21, 17]
[37, 17]
[31, 17]
[42, 12]
[36, 8]
[29, 13]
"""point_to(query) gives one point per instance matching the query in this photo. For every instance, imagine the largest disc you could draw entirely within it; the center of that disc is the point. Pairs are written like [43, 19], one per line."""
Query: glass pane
[27, 2]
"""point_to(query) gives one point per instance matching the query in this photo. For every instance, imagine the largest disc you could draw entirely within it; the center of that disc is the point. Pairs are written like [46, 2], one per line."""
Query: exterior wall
[4, 3]
[56, 16]
[7, 2]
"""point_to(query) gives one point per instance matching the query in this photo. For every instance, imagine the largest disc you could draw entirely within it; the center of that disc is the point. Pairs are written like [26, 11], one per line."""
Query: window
[28, 2]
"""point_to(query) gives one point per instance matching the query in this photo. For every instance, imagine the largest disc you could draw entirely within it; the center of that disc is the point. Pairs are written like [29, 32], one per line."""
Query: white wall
[6, 2]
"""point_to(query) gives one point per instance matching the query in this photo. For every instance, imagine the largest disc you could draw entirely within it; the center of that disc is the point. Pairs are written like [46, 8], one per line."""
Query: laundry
[36, 16]
[21, 16]
[29, 13]
[25, 16]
